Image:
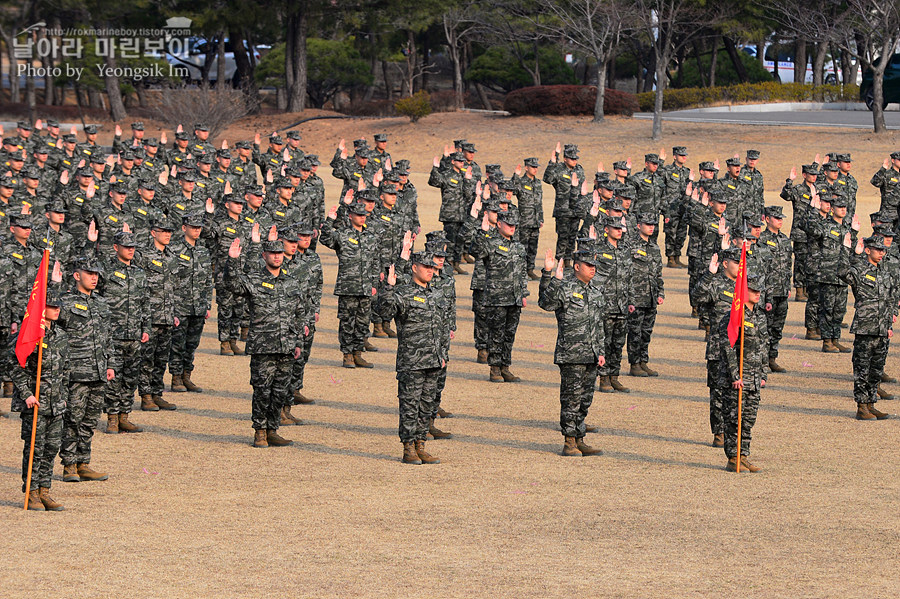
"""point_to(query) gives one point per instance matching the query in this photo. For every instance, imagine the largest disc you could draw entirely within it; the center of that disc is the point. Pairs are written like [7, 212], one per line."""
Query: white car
[193, 55]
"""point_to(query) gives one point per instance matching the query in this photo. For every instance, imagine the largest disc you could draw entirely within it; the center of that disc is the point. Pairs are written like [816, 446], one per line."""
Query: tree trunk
[113, 90]
[296, 92]
[819, 64]
[658, 100]
[800, 61]
[739, 67]
[601, 90]
[714, 61]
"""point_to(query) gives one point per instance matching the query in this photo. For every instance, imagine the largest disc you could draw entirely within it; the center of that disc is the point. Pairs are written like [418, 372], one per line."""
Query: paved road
[853, 119]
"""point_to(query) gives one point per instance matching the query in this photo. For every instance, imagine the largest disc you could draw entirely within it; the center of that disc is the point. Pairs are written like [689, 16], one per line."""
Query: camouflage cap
[532, 162]
[774, 212]
[423, 259]
[708, 165]
[273, 247]
[752, 154]
[733, 161]
[358, 209]
[875, 242]
[587, 257]
[125, 239]
[679, 151]
[194, 219]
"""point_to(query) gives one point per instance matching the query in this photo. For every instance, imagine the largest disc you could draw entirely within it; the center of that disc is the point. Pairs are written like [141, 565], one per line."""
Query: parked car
[890, 89]
[193, 56]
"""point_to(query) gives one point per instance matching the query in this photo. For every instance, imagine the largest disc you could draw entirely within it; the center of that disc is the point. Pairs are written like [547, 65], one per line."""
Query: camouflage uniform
[53, 399]
[192, 276]
[646, 290]
[580, 313]
[124, 287]
[158, 266]
[755, 371]
[276, 329]
[86, 320]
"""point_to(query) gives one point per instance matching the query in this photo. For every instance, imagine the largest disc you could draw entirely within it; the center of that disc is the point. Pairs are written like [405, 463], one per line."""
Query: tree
[593, 27]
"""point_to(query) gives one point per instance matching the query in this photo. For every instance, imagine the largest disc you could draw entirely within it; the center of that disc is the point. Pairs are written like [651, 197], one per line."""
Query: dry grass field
[191, 510]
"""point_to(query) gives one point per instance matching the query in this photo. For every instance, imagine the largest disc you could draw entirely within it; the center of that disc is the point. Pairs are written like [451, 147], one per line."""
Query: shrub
[415, 106]
[567, 100]
[745, 93]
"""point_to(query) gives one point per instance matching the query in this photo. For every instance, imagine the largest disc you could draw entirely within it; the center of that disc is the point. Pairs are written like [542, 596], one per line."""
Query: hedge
[772, 91]
[567, 100]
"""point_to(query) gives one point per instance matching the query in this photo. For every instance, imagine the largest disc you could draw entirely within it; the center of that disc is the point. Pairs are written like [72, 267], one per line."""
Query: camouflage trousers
[417, 392]
[801, 266]
[616, 335]
[441, 383]
[869, 355]
[299, 366]
[120, 390]
[455, 241]
[529, 236]
[502, 321]
[354, 313]
[640, 328]
[185, 341]
[749, 408]
[47, 439]
[566, 232]
[270, 377]
[811, 312]
[229, 312]
[85, 404]
[154, 357]
[480, 326]
[576, 393]
[832, 301]
[716, 415]
[775, 319]
[676, 233]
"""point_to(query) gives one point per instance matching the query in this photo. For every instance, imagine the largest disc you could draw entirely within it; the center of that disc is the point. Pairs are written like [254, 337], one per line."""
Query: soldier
[420, 356]
[455, 185]
[505, 290]
[826, 238]
[755, 346]
[714, 294]
[93, 363]
[874, 289]
[529, 197]
[563, 176]
[647, 293]
[193, 281]
[307, 268]
[124, 287]
[778, 280]
[614, 275]
[887, 180]
[275, 338]
[158, 264]
[355, 247]
[580, 345]
[800, 196]
[51, 405]
[676, 177]
[751, 175]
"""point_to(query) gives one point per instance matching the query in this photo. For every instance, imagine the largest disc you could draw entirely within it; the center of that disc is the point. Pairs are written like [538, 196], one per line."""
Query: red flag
[737, 303]
[31, 331]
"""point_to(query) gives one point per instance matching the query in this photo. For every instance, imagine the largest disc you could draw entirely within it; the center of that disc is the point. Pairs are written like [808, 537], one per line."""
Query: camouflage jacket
[54, 375]
[827, 252]
[86, 320]
[456, 193]
[614, 275]
[276, 306]
[779, 278]
[756, 348]
[193, 278]
[580, 318]
[887, 180]
[504, 268]
[358, 266]
[158, 267]
[874, 289]
[420, 336]
[559, 176]
[124, 287]
[647, 280]
[530, 196]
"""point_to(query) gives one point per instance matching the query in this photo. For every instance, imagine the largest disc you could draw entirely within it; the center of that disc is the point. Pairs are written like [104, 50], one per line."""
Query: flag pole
[741, 378]
[37, 391]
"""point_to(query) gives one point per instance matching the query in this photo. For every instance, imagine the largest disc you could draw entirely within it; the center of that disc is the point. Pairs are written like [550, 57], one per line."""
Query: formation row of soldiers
[113, 222]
